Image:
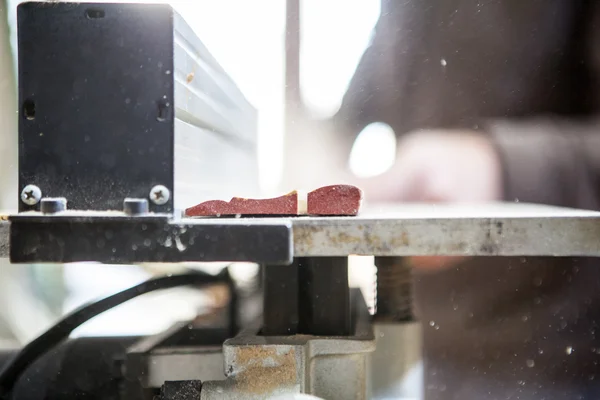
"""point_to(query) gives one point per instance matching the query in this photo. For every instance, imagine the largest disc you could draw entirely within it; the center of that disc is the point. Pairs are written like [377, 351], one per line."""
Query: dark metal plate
[96, 101]
[127, 240]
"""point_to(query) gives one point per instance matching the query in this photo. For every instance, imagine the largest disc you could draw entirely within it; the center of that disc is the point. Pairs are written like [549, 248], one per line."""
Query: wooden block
[334, 200]
[328, 200]
[283, 205]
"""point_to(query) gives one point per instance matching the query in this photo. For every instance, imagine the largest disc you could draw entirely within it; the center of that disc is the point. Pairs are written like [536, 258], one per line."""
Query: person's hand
[440, 166]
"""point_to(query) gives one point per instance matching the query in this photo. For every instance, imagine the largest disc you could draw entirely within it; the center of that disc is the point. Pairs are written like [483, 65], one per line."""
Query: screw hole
[163, 111]
[94, 13]
[29, 109]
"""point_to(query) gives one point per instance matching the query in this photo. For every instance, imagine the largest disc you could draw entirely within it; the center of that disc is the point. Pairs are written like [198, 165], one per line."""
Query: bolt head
[160, 195]
[53, 205]
[135, 206]
[31, 195]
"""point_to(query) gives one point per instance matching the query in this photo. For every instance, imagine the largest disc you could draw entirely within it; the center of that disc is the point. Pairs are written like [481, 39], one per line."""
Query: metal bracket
[330, 367]
[116, 238]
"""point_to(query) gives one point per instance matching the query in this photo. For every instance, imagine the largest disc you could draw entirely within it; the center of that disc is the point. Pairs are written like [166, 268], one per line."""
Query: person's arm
[557, 160]
[542, 159]
[549, 161]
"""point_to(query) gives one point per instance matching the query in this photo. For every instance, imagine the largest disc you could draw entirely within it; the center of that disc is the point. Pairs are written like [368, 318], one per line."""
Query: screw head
[160, 195]
[31, 195]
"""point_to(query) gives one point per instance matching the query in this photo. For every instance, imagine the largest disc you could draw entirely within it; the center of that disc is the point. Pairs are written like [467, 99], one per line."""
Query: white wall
[8, 119]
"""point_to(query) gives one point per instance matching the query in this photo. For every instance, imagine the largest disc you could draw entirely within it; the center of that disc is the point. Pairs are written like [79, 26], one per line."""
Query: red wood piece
[334, 200]
[328, 200]
[283, 205]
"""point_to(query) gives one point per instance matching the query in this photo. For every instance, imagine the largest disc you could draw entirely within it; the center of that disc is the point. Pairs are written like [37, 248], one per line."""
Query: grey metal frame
[453, 230]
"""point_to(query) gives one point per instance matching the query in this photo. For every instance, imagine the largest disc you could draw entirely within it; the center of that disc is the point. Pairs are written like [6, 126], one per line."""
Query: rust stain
[372, 240]
[262, 369]
[459, 247]
[190, 77]
[402, 240]
[405, 240]
[344, 238]
[304, 235]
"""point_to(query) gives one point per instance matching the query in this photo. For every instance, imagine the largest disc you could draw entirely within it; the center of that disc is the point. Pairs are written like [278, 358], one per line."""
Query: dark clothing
[527, 72]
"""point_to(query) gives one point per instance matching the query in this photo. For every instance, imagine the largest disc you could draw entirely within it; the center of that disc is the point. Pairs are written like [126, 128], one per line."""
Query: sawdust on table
[255, 377]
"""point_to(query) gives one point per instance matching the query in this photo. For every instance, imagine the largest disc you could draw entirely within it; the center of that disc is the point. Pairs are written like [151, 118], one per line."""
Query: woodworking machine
[125, 120]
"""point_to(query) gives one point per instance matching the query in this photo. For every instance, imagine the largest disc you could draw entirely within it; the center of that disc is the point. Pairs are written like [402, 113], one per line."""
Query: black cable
[61, 330]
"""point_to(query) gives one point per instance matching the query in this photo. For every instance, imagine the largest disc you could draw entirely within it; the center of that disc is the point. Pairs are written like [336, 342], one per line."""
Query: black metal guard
[96, 102]
[120, 239]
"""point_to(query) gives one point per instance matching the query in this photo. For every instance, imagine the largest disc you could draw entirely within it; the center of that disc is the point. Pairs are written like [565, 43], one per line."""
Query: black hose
[61, 330]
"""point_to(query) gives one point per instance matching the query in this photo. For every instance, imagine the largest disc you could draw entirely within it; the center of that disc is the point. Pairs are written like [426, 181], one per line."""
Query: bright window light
[374, 151]
[334, 35]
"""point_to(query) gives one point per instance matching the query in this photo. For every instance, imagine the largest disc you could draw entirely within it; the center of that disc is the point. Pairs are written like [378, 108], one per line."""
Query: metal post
[280, 304]
[396, 364]
[324, 296]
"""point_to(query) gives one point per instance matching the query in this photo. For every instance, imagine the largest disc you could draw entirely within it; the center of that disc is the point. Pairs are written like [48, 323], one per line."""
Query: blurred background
[489, 101]
[250, 45]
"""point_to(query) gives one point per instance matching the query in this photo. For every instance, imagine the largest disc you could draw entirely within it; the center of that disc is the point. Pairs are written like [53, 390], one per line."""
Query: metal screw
[135, 206]
[31, 195]
[160, 195]
[394, 289]
[51, 205]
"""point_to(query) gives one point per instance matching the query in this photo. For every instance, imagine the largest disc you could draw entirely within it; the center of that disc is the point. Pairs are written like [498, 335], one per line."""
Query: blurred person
[492, 100]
